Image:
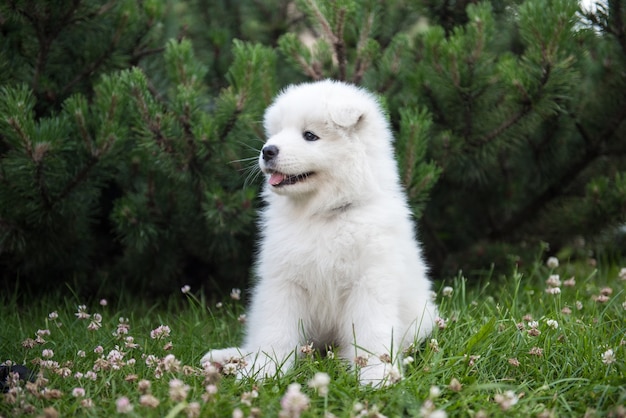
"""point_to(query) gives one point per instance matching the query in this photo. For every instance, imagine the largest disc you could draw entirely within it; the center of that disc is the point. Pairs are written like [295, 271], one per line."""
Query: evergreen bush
[129, 130]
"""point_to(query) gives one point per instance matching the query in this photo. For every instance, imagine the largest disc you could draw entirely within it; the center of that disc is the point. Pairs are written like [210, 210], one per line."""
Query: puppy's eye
[310, 136]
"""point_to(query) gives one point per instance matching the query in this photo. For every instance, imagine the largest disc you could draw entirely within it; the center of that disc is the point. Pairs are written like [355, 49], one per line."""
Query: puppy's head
[323, 140]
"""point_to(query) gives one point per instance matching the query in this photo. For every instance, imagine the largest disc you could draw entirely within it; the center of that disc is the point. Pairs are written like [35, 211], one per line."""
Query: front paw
[221, 357]
[244, 364]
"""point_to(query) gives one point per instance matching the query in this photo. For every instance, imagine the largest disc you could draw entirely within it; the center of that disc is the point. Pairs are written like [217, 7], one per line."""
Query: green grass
[485, 350]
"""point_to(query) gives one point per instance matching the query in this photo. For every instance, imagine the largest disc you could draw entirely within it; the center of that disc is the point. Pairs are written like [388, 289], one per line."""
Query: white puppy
[338, 263]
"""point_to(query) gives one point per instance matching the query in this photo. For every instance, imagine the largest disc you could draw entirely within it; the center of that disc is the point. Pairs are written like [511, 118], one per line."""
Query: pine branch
[92, 67]
[46, 34]
[610, 21]
[593, 150]
[154, 126]
[523, 112]
[555, 190]
[309, 70]
[617, 29]
[36, 154]
[84, 132]
[335, 37]
[94, 155]
[41, 184]
[230, 124]
[142, 53]
[78, 179]
[362, 64]
[340, 45]
[28, 144]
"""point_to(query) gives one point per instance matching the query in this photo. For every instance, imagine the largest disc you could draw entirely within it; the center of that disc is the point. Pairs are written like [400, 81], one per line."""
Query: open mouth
[279, 179]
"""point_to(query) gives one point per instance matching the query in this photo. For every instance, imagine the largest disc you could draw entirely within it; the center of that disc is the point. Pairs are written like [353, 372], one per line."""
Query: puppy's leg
[368, 340]
[274, 326]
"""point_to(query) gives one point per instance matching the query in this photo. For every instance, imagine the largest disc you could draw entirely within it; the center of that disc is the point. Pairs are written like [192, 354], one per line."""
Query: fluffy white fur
[338, 263]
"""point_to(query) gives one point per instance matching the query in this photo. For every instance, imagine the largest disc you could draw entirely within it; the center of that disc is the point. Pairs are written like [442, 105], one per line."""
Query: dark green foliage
[122, 181]
[129, 130]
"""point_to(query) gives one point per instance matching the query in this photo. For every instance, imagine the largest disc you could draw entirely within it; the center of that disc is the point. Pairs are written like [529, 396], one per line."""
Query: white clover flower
[82, 312]
[601, 298]
[447, 291]
[185, 289]
[235, 294]
[455, 385]
[94, 325]
[47, 353]
[554, 280]
[78, 392]
[622, 273]
[230, 369]
[103, 302]
[571, 282]
[149, 401]
[170, 363]
[434, 392]
[115, 359]
[552, 262]
[151, 360]
[552, 323]
[192, 410]
[123, 405]
[248, 397]
[608, 356]
[178, 390]
[320, 383]
[407, 360]
[129, 342]
[43, 332]
[428, 410]
[53, 315]
[294, 402]
[553, 290]
[144, 386]
[162, 331]
[434, 345]
[87, 403]
[393, 375]
[441, 322]
[506, 400]
[122, 327]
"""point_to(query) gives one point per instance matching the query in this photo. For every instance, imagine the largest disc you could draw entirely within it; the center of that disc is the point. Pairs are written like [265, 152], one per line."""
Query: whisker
[253, 175]
[241, 160]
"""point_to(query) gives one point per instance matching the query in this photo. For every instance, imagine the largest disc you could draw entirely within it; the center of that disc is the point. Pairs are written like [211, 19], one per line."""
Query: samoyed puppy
[338, 264]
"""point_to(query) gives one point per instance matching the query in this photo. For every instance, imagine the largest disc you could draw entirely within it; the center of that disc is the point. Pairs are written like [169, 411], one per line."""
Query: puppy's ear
[345, 114]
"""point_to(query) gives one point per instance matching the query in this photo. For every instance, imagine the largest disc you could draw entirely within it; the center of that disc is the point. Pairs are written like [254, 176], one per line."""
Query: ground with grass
[549, 342]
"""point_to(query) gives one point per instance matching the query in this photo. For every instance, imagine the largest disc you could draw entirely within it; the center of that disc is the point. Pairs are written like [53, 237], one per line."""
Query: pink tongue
[276, 179]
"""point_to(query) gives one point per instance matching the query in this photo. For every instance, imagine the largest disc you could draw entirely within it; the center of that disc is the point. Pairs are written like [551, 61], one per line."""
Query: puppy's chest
[326, 254]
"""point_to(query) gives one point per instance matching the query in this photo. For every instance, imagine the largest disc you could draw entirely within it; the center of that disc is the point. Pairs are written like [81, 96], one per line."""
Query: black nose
[269, 152]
